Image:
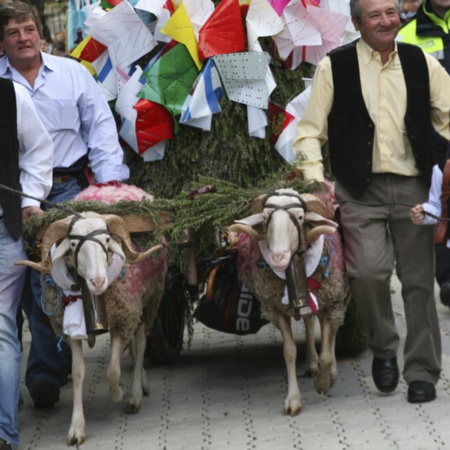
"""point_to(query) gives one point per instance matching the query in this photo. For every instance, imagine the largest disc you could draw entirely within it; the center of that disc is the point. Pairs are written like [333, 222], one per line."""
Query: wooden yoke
[441, 232]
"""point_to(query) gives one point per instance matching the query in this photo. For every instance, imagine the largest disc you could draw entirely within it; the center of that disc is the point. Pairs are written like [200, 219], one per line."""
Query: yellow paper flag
[179, 28]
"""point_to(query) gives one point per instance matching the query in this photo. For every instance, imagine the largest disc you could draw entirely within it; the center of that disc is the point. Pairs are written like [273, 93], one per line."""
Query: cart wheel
[165, 340]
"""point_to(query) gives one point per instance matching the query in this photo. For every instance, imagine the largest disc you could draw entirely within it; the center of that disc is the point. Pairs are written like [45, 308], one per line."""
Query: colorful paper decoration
[153, 124]
[223, 32]
[170, 79]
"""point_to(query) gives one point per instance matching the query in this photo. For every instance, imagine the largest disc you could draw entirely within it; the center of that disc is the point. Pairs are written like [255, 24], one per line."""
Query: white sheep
[293, 228]
[131, 302]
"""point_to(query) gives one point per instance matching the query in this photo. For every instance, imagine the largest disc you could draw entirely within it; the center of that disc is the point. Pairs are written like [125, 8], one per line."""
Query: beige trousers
[377, 240]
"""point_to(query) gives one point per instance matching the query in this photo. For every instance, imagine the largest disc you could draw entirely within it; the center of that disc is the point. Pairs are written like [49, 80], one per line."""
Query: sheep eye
[107, 240]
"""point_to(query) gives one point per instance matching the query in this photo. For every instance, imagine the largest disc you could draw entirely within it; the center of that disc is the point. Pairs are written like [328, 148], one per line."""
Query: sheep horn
[117, 226]
[314, 217]
[315, 232]
[54, 233]
[314, 204]
[241, 228]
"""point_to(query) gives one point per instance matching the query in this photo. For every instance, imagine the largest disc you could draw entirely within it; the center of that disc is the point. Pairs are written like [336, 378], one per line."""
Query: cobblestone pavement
[227, 392]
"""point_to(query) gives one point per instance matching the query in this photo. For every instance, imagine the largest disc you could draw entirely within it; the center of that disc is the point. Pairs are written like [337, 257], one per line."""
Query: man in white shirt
[83, 130]
[27, 156]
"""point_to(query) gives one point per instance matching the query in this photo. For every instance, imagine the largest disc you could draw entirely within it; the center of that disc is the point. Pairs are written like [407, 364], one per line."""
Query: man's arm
[99, 127]
[35, 152]
[312, 129]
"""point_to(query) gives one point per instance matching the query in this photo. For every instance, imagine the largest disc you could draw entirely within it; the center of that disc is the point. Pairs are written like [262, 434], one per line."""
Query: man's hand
[417, 215]
[31, 211]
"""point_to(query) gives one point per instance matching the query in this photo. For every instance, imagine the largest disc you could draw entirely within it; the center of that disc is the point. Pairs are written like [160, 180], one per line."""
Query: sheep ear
[116, 248]
[61, 249]
[252, 220]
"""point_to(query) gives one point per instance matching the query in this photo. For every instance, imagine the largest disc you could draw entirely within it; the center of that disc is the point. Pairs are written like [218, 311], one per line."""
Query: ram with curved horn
[92, 257]
[290, 257]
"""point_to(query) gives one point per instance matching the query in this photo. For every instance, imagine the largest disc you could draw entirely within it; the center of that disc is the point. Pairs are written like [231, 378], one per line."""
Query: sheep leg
[292, 403]
[323, 381]
[77, 427]
[139, 384]
[113, 372]
[312, 358]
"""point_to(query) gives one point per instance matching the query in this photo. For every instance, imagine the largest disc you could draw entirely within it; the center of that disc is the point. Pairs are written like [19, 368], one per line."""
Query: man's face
[379, 23]
[22, 42]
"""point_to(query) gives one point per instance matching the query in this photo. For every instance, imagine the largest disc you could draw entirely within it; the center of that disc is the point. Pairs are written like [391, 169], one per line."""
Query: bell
[297, 287]
[94, 313]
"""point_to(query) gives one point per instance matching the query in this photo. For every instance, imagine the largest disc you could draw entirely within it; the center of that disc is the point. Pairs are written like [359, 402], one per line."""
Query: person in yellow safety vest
[430, 30]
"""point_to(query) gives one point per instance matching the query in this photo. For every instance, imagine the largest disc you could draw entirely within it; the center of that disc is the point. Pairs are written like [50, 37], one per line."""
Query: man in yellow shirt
[374, 102]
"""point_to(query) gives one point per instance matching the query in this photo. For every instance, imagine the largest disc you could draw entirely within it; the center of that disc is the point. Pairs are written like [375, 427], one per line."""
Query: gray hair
[356, 10]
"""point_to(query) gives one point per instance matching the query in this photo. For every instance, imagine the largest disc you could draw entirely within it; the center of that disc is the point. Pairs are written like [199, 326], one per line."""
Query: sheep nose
[277, 257]
[98, 282]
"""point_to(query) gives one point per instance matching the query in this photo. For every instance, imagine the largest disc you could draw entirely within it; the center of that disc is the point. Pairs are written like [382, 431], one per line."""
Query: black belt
[61, 179]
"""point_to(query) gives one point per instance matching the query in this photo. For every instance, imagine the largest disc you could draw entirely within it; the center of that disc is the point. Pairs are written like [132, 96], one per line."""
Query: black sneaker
[4, 445]
[45, 394]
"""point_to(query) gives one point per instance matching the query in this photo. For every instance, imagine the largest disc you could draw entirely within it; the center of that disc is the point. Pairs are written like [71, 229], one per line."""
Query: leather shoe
[45, 394]
[4, 445]
[421, 392]
[385, 374]
[445, 293]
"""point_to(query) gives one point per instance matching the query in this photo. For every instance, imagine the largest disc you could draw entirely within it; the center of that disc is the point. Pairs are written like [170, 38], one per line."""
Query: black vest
[351, 130]
[9, 157]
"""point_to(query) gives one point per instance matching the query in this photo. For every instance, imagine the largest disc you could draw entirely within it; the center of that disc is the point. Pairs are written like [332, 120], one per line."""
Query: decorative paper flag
[199, 12]
[128, 134]
[203, 100]
[170, 79]
[341, 7]
[280, 121]
[92, 50]
[153, 124]
[293, 114]
[299, 30]
[279, 5]
[331, 36]
[128, 96]
[123, 28]
[263, 18]
[106, 75]
[257, 122]
[223, 32]
[152, 6]
[243, 76]
[160, 24]
[179, 27]
[76, 53]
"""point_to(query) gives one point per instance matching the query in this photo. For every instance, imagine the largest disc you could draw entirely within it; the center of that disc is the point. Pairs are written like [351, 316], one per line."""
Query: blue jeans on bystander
[11, 283]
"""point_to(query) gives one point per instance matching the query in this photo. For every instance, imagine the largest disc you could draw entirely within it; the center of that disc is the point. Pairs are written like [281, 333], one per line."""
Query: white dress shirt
[433, 206]
[35, 150]
[76, 115]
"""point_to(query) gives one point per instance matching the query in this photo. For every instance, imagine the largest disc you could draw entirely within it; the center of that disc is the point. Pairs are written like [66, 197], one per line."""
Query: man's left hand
[31, 211]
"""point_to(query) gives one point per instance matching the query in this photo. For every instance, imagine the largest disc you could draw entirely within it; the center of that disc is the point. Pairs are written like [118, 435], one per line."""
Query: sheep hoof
[292, 408]
[322, 386]
[133, 408]
[74, 440]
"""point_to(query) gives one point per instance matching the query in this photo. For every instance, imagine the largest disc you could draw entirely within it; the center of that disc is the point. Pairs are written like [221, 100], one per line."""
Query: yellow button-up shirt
[384, 92]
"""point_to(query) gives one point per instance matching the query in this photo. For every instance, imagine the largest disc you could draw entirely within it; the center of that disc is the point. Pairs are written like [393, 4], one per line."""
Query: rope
[376, 205]
[46, 202]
